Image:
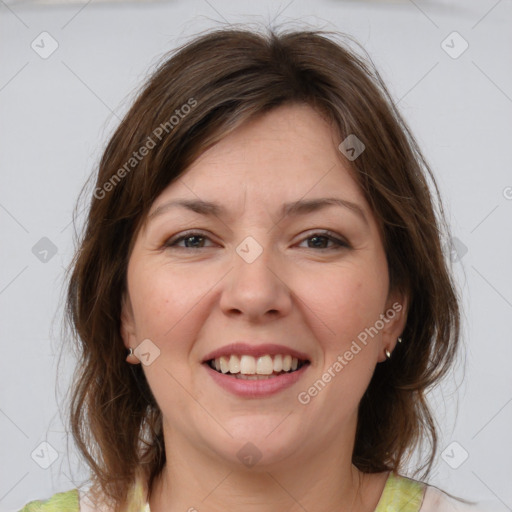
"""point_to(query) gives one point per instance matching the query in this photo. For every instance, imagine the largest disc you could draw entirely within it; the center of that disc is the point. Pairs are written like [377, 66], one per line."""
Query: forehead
[286, 154]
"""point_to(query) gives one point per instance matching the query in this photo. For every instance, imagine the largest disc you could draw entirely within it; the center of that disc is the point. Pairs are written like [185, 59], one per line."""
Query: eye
[196, 239]
[193, 236]
[319, 239]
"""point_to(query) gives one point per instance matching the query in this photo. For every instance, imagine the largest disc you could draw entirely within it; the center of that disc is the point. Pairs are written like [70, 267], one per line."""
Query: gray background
[56, 114]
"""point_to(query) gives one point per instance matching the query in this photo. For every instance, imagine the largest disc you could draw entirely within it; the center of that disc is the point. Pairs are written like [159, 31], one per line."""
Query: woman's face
[258, 284]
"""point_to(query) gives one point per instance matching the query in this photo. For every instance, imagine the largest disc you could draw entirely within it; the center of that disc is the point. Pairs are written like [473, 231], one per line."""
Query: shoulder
[436, 500]
[85, 500]
[68, 501]
[408, 495]
[401, 494]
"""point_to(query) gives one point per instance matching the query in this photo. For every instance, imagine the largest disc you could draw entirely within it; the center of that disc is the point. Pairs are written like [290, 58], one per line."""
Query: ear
[127, 323]
[395, 314]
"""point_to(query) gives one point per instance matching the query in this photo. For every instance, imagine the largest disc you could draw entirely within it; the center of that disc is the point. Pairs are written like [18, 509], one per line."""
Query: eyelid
[339, 240]
[185, 234]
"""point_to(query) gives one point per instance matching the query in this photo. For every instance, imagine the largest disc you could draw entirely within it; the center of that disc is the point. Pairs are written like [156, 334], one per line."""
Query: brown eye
[322, 238]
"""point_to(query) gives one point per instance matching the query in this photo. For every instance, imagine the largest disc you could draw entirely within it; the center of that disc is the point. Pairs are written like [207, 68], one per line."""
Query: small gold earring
[388, 353]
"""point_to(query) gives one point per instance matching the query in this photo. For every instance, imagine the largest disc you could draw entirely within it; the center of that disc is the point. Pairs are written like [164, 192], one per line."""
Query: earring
[131, 357]
[399, 340]
[388, 353]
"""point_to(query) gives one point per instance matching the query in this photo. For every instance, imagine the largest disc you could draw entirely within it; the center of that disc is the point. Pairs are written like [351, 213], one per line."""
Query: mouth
[250, 371]
[248, 367]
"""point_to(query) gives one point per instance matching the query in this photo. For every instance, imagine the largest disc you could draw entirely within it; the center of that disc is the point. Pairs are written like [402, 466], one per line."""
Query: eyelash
[322, 234]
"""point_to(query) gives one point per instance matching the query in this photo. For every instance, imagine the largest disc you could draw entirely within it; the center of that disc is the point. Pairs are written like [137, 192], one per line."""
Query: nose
[257, 287]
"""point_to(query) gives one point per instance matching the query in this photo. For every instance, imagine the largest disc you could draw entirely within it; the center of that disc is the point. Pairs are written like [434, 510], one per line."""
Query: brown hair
[225, 77]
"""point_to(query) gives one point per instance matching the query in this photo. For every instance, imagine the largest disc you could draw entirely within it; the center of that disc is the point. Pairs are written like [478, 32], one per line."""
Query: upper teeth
[249, 365]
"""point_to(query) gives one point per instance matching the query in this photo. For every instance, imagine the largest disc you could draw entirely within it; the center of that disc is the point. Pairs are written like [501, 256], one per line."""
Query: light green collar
[401, 494]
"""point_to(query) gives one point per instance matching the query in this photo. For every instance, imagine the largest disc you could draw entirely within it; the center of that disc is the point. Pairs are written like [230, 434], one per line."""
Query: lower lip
[256, 388]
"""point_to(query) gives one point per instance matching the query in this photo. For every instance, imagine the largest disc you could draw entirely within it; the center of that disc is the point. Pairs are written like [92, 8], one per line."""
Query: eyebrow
[295, 208]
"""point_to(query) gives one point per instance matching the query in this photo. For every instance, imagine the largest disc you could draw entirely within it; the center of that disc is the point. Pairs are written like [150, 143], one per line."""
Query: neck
[193, 482]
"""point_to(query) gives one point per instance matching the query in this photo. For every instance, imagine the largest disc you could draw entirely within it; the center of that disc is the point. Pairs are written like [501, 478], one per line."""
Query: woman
[263, 242]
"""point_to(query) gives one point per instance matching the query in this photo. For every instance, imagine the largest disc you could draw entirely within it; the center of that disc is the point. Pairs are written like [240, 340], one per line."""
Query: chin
[258, 443]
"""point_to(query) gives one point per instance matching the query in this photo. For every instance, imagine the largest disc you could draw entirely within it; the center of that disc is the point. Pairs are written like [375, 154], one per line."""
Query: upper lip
[242, 348]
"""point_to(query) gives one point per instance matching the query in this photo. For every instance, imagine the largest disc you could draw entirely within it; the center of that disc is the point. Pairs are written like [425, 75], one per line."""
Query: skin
[200, 295]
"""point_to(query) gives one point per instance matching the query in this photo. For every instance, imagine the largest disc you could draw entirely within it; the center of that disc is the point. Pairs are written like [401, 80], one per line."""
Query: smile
[246, 381]
[248, 367]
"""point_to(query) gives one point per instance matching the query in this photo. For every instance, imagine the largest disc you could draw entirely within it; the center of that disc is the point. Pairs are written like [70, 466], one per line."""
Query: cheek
[170, 305]
[350, 306]
[159, 299]
[345, 302]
